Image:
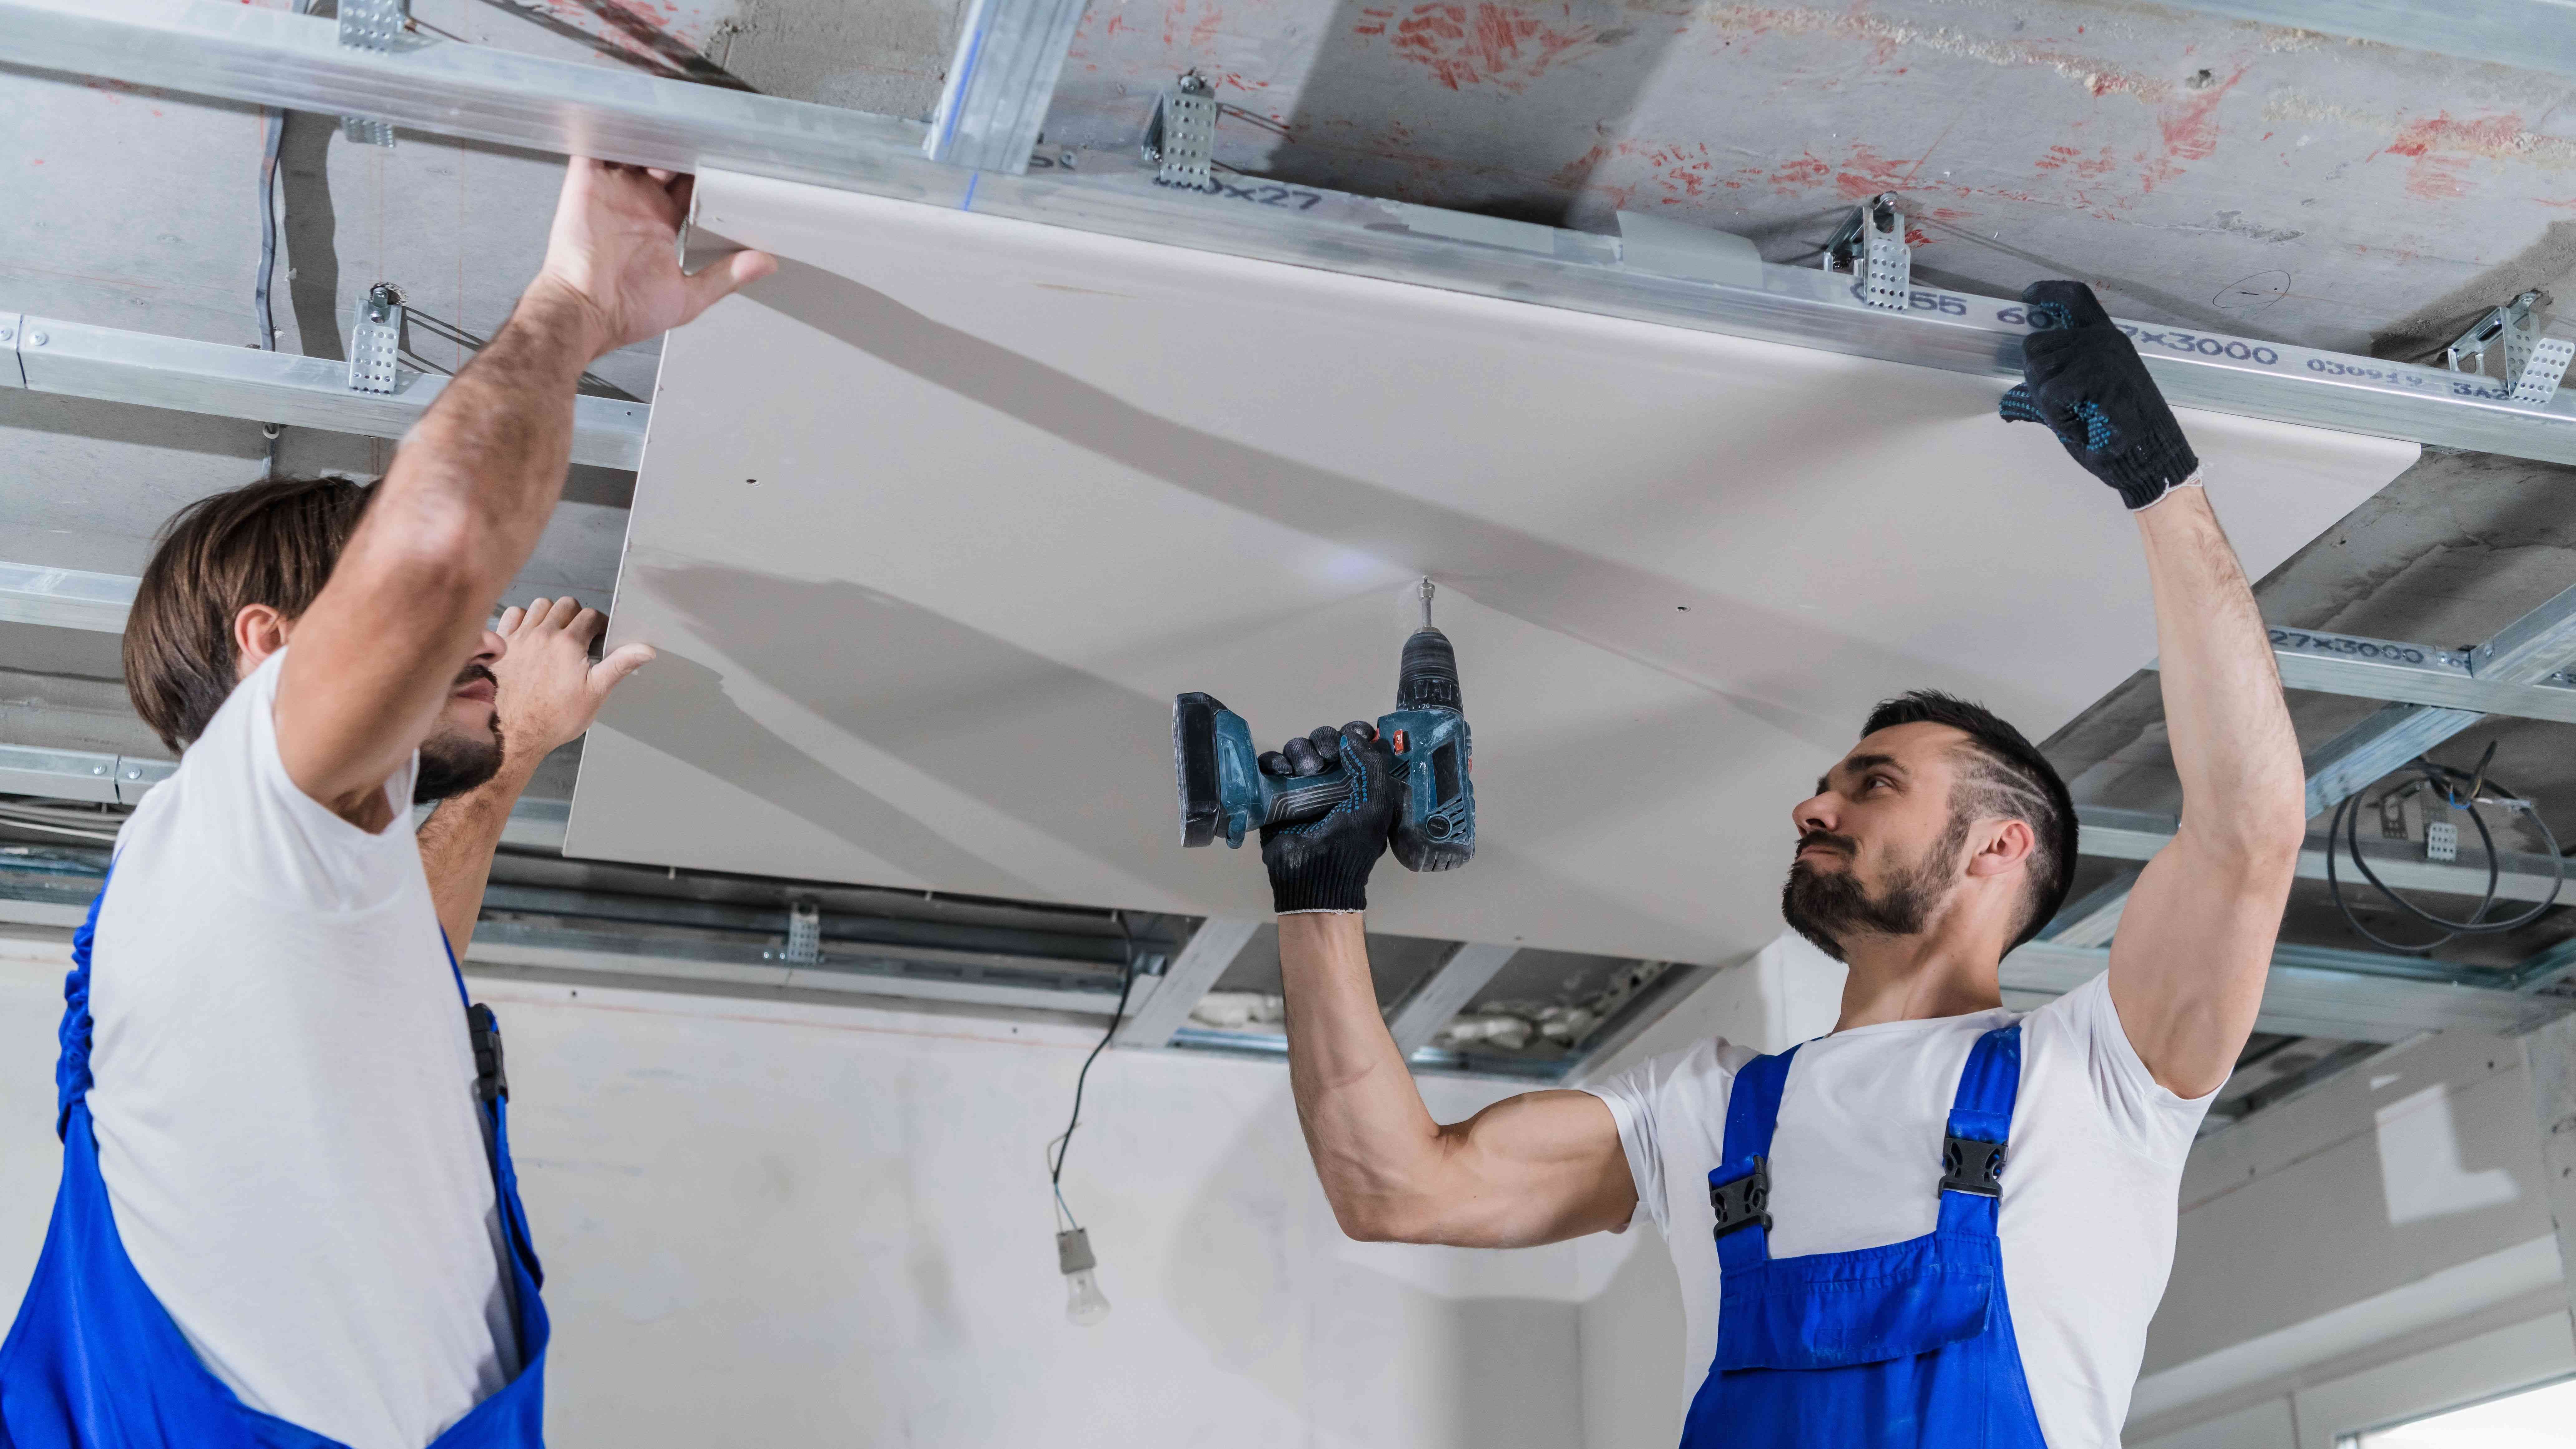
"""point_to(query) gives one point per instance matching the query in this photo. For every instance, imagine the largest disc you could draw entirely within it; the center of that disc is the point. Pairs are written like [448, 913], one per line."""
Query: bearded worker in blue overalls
[287, 1216]
[1945, 1224]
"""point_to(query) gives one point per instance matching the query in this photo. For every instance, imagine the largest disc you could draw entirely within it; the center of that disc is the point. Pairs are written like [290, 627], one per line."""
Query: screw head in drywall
[8, 334]
[37, 339]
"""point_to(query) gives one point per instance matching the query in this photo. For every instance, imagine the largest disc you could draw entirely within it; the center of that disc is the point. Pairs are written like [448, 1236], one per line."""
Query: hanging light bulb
[1083, 1303]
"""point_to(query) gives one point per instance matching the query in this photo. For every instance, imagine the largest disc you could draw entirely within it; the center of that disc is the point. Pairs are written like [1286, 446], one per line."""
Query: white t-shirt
[2091, 1180]
[284, 1098]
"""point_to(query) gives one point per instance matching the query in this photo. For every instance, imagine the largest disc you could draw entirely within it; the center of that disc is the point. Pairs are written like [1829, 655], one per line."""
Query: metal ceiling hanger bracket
[2533, 364]
[378, 25]
[376, 341]
[1870, 245]
[1181, 138]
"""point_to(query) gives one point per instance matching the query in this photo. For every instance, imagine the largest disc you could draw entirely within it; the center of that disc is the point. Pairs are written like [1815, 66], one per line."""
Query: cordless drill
[1224, 790]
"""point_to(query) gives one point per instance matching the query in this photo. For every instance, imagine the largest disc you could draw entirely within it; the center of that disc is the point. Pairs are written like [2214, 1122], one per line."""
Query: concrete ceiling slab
[2200, 170]
[933, 525]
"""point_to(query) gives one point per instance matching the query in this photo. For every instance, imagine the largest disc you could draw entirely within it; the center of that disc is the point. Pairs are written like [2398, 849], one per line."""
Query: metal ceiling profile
[2524, 665]
[75, 359]
[1000, 82]
[278, 59]
[65, 598]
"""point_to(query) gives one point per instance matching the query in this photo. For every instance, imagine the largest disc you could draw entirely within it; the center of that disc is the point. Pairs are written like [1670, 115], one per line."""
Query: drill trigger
[1396, 742]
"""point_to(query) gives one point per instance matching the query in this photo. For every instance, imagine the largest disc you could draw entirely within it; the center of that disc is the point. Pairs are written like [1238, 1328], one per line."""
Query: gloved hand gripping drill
[1329, 802]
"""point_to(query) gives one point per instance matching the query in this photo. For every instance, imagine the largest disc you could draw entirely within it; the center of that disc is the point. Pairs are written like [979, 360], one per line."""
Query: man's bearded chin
[1828, 909]
[455, 761]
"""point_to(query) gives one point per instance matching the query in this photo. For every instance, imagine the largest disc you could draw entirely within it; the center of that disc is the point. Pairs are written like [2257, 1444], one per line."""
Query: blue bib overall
[1909, 1346]
[95, 1362]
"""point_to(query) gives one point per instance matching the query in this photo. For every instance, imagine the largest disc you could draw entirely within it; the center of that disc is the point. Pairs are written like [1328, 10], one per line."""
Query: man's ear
[2007, 844]
[258, 632]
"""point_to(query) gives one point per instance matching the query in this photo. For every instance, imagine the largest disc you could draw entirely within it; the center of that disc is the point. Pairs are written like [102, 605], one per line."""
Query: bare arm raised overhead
[1535, 1168]
[376, 657]
[2195, 940]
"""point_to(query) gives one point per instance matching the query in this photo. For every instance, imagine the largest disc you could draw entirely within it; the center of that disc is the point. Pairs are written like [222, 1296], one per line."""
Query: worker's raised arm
[1532, 1169]
[2195, 939]
[375, 657]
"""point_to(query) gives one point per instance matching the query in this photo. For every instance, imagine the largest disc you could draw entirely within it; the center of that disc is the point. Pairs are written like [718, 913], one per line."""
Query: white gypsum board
[933, 524]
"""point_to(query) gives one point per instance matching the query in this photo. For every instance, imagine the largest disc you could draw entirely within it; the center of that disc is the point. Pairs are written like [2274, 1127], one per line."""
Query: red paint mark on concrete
[1793, 176]
[1483, 43]
[2190, 120]
[2485, 136]
[2441, 149]
[2437, 178]
[1867, 173]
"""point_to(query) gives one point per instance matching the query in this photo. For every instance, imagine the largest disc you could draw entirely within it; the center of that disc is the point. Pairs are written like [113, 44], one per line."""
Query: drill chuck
[1427, 676]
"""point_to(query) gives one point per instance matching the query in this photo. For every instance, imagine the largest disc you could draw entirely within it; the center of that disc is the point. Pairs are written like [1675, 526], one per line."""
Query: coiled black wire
[2344, 834]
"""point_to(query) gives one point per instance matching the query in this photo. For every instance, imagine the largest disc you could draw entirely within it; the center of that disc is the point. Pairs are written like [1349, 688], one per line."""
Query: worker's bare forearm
[456, 847]
[2229, 729]
[496, 444]
[2194, 946]
[1374, 1143]
[1535, 1168]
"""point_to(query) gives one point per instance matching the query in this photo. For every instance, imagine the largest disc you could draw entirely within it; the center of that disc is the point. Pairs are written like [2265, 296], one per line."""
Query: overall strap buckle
[491, 1083]
[1743, 1203]
[1972, 1166]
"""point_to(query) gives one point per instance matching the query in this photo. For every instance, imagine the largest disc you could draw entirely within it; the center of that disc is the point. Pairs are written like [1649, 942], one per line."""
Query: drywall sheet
[933, 524]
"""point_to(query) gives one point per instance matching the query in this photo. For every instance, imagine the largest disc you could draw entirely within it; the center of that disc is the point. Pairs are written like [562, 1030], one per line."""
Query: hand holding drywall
[550, 691]
[2082, 377]
[614, 250]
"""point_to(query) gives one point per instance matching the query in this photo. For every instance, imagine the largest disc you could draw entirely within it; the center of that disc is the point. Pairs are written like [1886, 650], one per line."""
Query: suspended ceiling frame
[276, 58]
[280, 59]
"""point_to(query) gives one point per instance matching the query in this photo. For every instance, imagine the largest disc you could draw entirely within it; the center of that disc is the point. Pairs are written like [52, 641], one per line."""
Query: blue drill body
[1224, 790]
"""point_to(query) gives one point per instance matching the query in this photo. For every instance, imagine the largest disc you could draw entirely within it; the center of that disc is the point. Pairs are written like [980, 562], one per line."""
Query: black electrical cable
[272, 140]
[276, 135]
[1064, 1140]
[2344, 832]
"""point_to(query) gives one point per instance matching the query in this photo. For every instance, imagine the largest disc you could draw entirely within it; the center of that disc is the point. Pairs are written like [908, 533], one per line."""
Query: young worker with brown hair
[287, 1215]
[1944, 1224]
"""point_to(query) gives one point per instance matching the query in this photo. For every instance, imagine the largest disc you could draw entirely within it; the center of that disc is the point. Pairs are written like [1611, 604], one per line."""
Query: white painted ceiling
[933, 524]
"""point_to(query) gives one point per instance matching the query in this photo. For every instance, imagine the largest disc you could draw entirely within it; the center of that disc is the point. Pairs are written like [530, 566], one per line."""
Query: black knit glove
[2082, 377]
[1323, 865]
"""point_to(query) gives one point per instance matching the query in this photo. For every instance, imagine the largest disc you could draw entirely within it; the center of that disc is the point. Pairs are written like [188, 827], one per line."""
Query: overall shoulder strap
[1739, 1188]
[1980, 1127]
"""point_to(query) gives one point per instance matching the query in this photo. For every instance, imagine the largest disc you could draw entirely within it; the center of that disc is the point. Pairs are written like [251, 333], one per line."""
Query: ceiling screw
[37, 339]
[7, 333]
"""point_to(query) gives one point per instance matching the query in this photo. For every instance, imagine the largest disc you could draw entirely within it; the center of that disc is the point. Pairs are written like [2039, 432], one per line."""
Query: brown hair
[272, 543]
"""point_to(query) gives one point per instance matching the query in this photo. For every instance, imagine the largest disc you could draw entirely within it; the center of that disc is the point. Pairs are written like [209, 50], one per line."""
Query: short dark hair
[2010, 778]
[271, 542]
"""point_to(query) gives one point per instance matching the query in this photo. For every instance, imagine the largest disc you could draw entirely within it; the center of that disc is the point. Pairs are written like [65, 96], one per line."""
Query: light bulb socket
[1073, 1252]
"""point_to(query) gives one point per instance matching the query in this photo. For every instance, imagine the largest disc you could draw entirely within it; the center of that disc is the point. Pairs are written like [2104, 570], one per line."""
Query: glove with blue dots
[2082, 377]
[1323, 865]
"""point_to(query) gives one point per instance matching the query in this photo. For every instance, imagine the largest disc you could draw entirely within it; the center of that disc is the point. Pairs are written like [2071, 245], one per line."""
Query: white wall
[2380, 1248]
